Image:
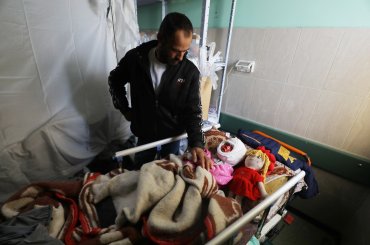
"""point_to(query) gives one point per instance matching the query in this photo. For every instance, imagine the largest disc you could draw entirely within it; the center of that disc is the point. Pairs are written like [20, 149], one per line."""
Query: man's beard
[172, 61]
[164, 58]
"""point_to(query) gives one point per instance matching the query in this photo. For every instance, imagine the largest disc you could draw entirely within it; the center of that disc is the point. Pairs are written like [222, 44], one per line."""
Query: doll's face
[253, 162]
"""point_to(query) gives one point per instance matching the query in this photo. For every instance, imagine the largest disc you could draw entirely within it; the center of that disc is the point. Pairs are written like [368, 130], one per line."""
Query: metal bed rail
[247, 217]
[119, 154]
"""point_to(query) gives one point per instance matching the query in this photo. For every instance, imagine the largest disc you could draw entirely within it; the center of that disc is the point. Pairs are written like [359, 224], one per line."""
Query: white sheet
[56, 113]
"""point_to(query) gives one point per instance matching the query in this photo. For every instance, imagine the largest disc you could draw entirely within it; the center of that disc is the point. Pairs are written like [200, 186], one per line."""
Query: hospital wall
[311, 81]
[312, 74]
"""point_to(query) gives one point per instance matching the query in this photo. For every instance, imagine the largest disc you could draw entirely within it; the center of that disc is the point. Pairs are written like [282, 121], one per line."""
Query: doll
[248, 180]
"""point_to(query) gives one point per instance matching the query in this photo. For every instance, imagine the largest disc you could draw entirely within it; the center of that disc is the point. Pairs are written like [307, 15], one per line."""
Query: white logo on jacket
[180, 80]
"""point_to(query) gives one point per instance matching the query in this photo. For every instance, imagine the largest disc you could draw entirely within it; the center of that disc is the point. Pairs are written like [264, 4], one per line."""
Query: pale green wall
[266, 13]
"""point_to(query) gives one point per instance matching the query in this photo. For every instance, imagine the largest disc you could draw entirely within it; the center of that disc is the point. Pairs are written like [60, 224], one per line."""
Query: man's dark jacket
[175, 108]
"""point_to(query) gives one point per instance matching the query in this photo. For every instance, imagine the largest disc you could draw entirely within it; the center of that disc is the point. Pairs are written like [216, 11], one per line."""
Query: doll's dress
[245, 183]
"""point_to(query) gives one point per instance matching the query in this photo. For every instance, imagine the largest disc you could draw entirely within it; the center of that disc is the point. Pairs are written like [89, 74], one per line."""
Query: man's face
[172, 51]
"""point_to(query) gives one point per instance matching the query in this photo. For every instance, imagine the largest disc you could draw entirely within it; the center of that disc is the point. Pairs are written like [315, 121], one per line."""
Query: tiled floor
[302, 232]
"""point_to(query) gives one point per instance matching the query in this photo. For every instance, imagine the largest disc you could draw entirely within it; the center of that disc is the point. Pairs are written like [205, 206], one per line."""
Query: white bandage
[234, 156]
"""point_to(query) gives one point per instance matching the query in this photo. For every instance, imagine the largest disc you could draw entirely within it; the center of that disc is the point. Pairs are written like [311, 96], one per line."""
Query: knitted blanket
[73, 215]
[166, 202]
[178, 203]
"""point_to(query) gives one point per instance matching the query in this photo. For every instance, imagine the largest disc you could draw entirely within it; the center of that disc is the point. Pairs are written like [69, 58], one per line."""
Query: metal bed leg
[290, 198]
[262, 221]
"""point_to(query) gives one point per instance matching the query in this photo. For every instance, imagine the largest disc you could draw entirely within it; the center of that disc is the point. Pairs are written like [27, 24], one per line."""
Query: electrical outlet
[246, 66]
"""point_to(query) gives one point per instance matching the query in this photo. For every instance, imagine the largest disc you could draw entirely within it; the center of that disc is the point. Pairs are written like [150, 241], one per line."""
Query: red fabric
[88, 213]
[189, 237]
[244, 183]
[68, 239]
[209, 223]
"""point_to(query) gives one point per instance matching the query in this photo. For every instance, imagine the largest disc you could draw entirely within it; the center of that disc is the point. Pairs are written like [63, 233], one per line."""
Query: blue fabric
[253, 241]
[284, 156]
[28, 228]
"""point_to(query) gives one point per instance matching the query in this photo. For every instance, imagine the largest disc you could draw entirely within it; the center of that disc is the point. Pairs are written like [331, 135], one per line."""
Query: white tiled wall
[312, 82]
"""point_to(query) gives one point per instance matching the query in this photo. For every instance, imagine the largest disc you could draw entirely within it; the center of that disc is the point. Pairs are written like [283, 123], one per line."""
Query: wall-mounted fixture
[246, 66]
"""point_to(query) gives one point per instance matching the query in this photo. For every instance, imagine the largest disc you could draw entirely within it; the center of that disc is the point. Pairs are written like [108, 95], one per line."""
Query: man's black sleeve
[193, 114]
[117, 80]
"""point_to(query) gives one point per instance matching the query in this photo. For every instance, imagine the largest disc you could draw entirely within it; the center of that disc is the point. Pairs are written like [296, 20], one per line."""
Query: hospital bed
[76, 222]
[271, 210]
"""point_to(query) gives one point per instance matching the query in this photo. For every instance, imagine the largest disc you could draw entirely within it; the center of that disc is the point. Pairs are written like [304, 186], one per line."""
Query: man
[164, 85]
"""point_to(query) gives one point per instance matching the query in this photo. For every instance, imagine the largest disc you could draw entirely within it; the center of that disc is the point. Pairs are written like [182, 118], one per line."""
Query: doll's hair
[264, 158]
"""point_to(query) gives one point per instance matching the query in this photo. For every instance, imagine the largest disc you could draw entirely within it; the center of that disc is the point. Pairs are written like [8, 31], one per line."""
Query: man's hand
[200, 158]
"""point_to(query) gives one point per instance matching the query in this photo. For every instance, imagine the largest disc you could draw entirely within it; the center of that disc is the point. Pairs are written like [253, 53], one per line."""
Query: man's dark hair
[173, 22]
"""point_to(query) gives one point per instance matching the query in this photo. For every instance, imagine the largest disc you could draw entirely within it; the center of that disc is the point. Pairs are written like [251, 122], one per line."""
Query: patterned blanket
[167, 202]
